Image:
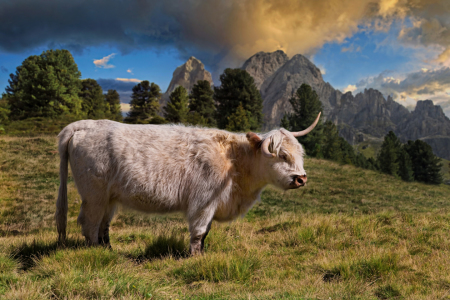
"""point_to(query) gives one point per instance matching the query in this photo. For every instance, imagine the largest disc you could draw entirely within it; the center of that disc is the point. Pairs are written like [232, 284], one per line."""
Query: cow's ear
[254, 140]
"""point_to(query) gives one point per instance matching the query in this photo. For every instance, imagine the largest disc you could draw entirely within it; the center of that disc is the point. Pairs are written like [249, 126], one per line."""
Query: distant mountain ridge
[359, 117]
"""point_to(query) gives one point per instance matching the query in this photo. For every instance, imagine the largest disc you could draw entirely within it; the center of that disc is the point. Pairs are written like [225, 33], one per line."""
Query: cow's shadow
[162, 246]
[29, 253]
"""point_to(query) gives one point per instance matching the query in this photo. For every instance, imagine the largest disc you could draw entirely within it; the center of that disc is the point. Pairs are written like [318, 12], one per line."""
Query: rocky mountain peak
[279, 77]
[426, 108]
[429, 123]
[263, 64]
[186, 76]
[306, 66]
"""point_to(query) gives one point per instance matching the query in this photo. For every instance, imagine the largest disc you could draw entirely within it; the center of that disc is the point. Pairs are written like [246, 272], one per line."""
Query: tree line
[413, 161]
[235, 105]
[49, 86]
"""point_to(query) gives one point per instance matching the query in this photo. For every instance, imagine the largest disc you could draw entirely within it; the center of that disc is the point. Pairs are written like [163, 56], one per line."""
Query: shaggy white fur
[208, 174]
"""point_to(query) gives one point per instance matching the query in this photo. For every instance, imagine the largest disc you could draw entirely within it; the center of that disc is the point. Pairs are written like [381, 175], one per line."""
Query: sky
[400, 47]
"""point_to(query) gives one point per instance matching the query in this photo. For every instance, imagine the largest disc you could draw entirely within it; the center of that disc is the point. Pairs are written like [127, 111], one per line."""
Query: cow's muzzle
[298, 181]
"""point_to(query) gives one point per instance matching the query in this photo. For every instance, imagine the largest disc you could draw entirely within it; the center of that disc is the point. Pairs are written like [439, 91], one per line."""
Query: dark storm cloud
[123, 88]
[3, 69]
[75, 25]
[113, 84]
[216, 31]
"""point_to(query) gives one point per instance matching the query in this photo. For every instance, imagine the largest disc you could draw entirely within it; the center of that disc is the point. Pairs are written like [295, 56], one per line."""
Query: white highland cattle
[208, 174]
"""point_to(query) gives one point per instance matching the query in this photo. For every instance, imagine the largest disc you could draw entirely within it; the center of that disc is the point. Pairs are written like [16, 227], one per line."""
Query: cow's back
[153, 168]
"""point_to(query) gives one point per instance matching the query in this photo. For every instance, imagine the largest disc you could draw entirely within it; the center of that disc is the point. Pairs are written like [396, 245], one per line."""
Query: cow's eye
[283, 157]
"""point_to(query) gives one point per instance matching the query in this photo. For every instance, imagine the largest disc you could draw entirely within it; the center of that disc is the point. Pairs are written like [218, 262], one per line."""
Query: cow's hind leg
[103, 232]
[199, 226]
[91, 216]
[204, 236]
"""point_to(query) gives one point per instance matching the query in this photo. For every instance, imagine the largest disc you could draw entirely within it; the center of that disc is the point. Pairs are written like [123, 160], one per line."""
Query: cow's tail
[61, 204]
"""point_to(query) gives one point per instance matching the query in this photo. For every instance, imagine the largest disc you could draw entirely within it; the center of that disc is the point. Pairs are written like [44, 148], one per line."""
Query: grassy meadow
[349, 234]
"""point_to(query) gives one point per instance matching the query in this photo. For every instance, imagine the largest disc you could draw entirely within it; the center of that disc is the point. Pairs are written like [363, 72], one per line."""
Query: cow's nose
[300, 179]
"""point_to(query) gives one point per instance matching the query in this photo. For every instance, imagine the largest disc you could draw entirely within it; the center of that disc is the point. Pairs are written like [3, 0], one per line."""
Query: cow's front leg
[199, 226]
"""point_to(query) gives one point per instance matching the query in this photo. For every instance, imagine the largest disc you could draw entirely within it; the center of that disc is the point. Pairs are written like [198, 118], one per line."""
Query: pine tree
[144, 103]
[426, 166]
[238, 88]
[202, 109]
[112, 99]
[331, 148]
[93, 103]
[284, 123]
[177, 108]
[361, 161]
[348, 153]
[405, 168]
[239, 121]
[45, 86]
[372, 164]
[388, 156]
[306, 106]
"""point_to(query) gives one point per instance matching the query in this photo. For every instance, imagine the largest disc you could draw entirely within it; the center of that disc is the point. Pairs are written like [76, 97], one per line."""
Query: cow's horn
[265, 148]
[307, 130]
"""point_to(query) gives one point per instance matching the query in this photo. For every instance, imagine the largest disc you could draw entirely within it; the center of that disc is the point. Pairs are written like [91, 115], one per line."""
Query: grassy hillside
[349, 234]
[369, 148]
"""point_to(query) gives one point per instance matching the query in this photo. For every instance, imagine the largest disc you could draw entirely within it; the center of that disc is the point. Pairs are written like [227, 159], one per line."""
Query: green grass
[369, 148]
[38, 126]
[349, 234]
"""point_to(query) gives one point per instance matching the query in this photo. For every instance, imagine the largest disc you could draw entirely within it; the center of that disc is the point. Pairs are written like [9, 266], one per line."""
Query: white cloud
[103, 62]
[130, 71]
[424, 84]
[351, 48]
[129, 80]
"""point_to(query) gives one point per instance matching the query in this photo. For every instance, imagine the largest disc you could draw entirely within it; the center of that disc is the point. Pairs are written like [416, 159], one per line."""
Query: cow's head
[282, 156]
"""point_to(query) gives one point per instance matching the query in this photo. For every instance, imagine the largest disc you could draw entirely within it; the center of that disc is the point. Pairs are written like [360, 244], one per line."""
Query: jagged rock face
[399, 113]
[440, 145]
[366, 115]
[186, 76]
[428, 123]
[426, 120]
[280, 82]
[369, 113]
[262, 65]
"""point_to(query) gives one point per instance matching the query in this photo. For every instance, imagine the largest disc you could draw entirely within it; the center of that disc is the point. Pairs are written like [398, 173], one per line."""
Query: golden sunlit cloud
[125, 107]
[129, 80]
[349, 88]
[245, 27]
